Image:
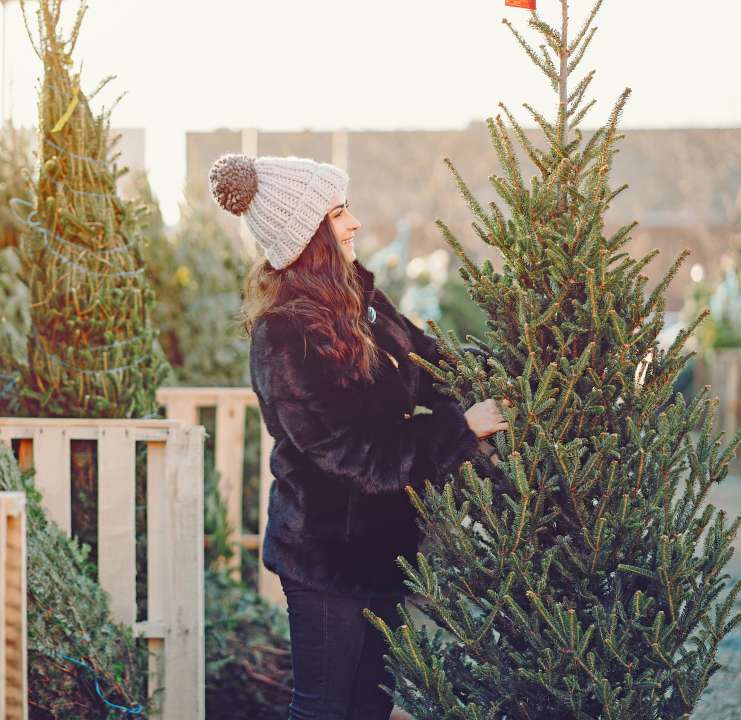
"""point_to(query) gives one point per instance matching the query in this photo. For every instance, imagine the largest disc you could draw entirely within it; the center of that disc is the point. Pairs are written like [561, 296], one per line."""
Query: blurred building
[133, 148]
[684, 187]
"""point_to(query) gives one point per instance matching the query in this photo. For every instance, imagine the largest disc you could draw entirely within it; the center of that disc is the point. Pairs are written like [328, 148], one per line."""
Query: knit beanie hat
[281, 199]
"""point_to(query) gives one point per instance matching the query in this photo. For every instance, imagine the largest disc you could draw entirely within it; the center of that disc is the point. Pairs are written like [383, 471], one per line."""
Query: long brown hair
[322, 290]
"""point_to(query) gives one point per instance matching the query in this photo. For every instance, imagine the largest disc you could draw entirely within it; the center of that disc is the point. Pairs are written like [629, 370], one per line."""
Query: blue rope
[28, 222]
[87, 193]
[44, 232]
[9, 385]
[116, 343]
[95, 161]
[135, 710]
[101, 371]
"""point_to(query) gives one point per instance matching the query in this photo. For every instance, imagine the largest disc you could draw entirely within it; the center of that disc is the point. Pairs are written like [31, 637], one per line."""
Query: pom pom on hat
[233, 182]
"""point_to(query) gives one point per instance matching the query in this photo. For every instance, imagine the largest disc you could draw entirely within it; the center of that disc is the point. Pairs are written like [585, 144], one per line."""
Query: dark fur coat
[338, 515]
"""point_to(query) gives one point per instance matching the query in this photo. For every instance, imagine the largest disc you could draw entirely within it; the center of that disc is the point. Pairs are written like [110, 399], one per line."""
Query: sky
[387, 64]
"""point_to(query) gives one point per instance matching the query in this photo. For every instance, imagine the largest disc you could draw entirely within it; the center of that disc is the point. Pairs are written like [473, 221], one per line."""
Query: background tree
[582, 576]
[15, 177]
[198, 276]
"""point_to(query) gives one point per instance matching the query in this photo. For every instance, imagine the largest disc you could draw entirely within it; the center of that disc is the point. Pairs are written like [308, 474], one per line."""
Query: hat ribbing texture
[292, 197]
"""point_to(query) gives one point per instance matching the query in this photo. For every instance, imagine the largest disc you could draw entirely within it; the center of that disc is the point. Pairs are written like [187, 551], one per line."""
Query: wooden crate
[13, 669]
[182, 403]
[174, 628]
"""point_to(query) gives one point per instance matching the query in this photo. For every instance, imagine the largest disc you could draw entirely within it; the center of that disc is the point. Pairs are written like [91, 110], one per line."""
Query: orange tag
[527, 4]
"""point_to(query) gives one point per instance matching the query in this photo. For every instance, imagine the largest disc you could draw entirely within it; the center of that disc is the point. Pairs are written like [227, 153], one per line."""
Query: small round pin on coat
[371, 314]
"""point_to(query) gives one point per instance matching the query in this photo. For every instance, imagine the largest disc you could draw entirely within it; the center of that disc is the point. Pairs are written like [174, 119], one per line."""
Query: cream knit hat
[281, 199]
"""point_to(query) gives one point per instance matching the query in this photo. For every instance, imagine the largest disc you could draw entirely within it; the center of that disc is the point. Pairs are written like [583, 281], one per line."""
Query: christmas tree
[582, 576]
[90, 348]
[72, 639]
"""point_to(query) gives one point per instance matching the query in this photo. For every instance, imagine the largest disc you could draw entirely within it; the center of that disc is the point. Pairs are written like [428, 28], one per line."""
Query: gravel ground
[722, 699]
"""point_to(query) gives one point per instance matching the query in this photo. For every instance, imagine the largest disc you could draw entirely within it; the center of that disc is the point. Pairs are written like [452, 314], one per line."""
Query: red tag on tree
[527, 4]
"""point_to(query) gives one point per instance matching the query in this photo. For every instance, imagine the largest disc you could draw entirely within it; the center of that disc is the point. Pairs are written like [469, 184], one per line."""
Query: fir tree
[197, 273]
[582, 576]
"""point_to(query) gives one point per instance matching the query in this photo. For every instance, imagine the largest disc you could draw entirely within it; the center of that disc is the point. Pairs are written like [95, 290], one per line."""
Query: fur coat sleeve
[347, 433]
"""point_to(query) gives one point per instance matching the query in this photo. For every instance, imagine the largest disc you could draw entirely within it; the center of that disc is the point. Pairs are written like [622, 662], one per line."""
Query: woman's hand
[484, 418]
[486, 449]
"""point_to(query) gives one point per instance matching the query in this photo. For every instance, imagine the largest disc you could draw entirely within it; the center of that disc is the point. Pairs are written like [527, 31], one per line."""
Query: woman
[337, 391]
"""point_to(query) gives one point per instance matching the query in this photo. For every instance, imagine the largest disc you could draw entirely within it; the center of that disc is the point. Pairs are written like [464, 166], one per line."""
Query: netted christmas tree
[582, 576]
[73, 641]
[90, 348]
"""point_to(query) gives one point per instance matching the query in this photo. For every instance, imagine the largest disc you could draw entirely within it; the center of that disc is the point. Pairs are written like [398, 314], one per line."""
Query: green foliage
[68, 614]
[16, 166]
[458, 313]
[197, 275]
[722, 329]
[582, 577]
[248, 656]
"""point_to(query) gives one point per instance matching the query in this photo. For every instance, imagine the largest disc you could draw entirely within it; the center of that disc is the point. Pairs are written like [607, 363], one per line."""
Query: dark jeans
[337, 655]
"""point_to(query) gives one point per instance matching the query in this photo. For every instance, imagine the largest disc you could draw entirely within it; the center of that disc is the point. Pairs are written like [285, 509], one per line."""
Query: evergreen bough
[582, 576]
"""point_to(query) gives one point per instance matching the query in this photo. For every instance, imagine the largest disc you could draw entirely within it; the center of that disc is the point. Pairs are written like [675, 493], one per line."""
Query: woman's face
[344, 224]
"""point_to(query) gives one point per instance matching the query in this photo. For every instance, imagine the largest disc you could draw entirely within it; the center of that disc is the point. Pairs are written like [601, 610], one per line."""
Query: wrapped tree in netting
[582, 575]
[69, 617]
[90, 347]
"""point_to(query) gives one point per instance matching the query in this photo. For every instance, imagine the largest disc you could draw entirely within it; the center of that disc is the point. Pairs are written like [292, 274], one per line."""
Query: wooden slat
[51, 459]
[183, 408]
[13, 705]
[157, 567]
[208, 395]
[156, 676]
[251, 542]
[12, 424]
[228, 459]
[117, 520]
[147, 629]
[184, 648]
[4, 598]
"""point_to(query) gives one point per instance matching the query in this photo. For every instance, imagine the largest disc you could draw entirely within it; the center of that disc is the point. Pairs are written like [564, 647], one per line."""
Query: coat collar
[367, 279]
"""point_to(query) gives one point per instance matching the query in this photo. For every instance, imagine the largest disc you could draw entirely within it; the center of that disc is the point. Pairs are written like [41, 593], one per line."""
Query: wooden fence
[13, 670]
[182, 403]
[174, 628]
